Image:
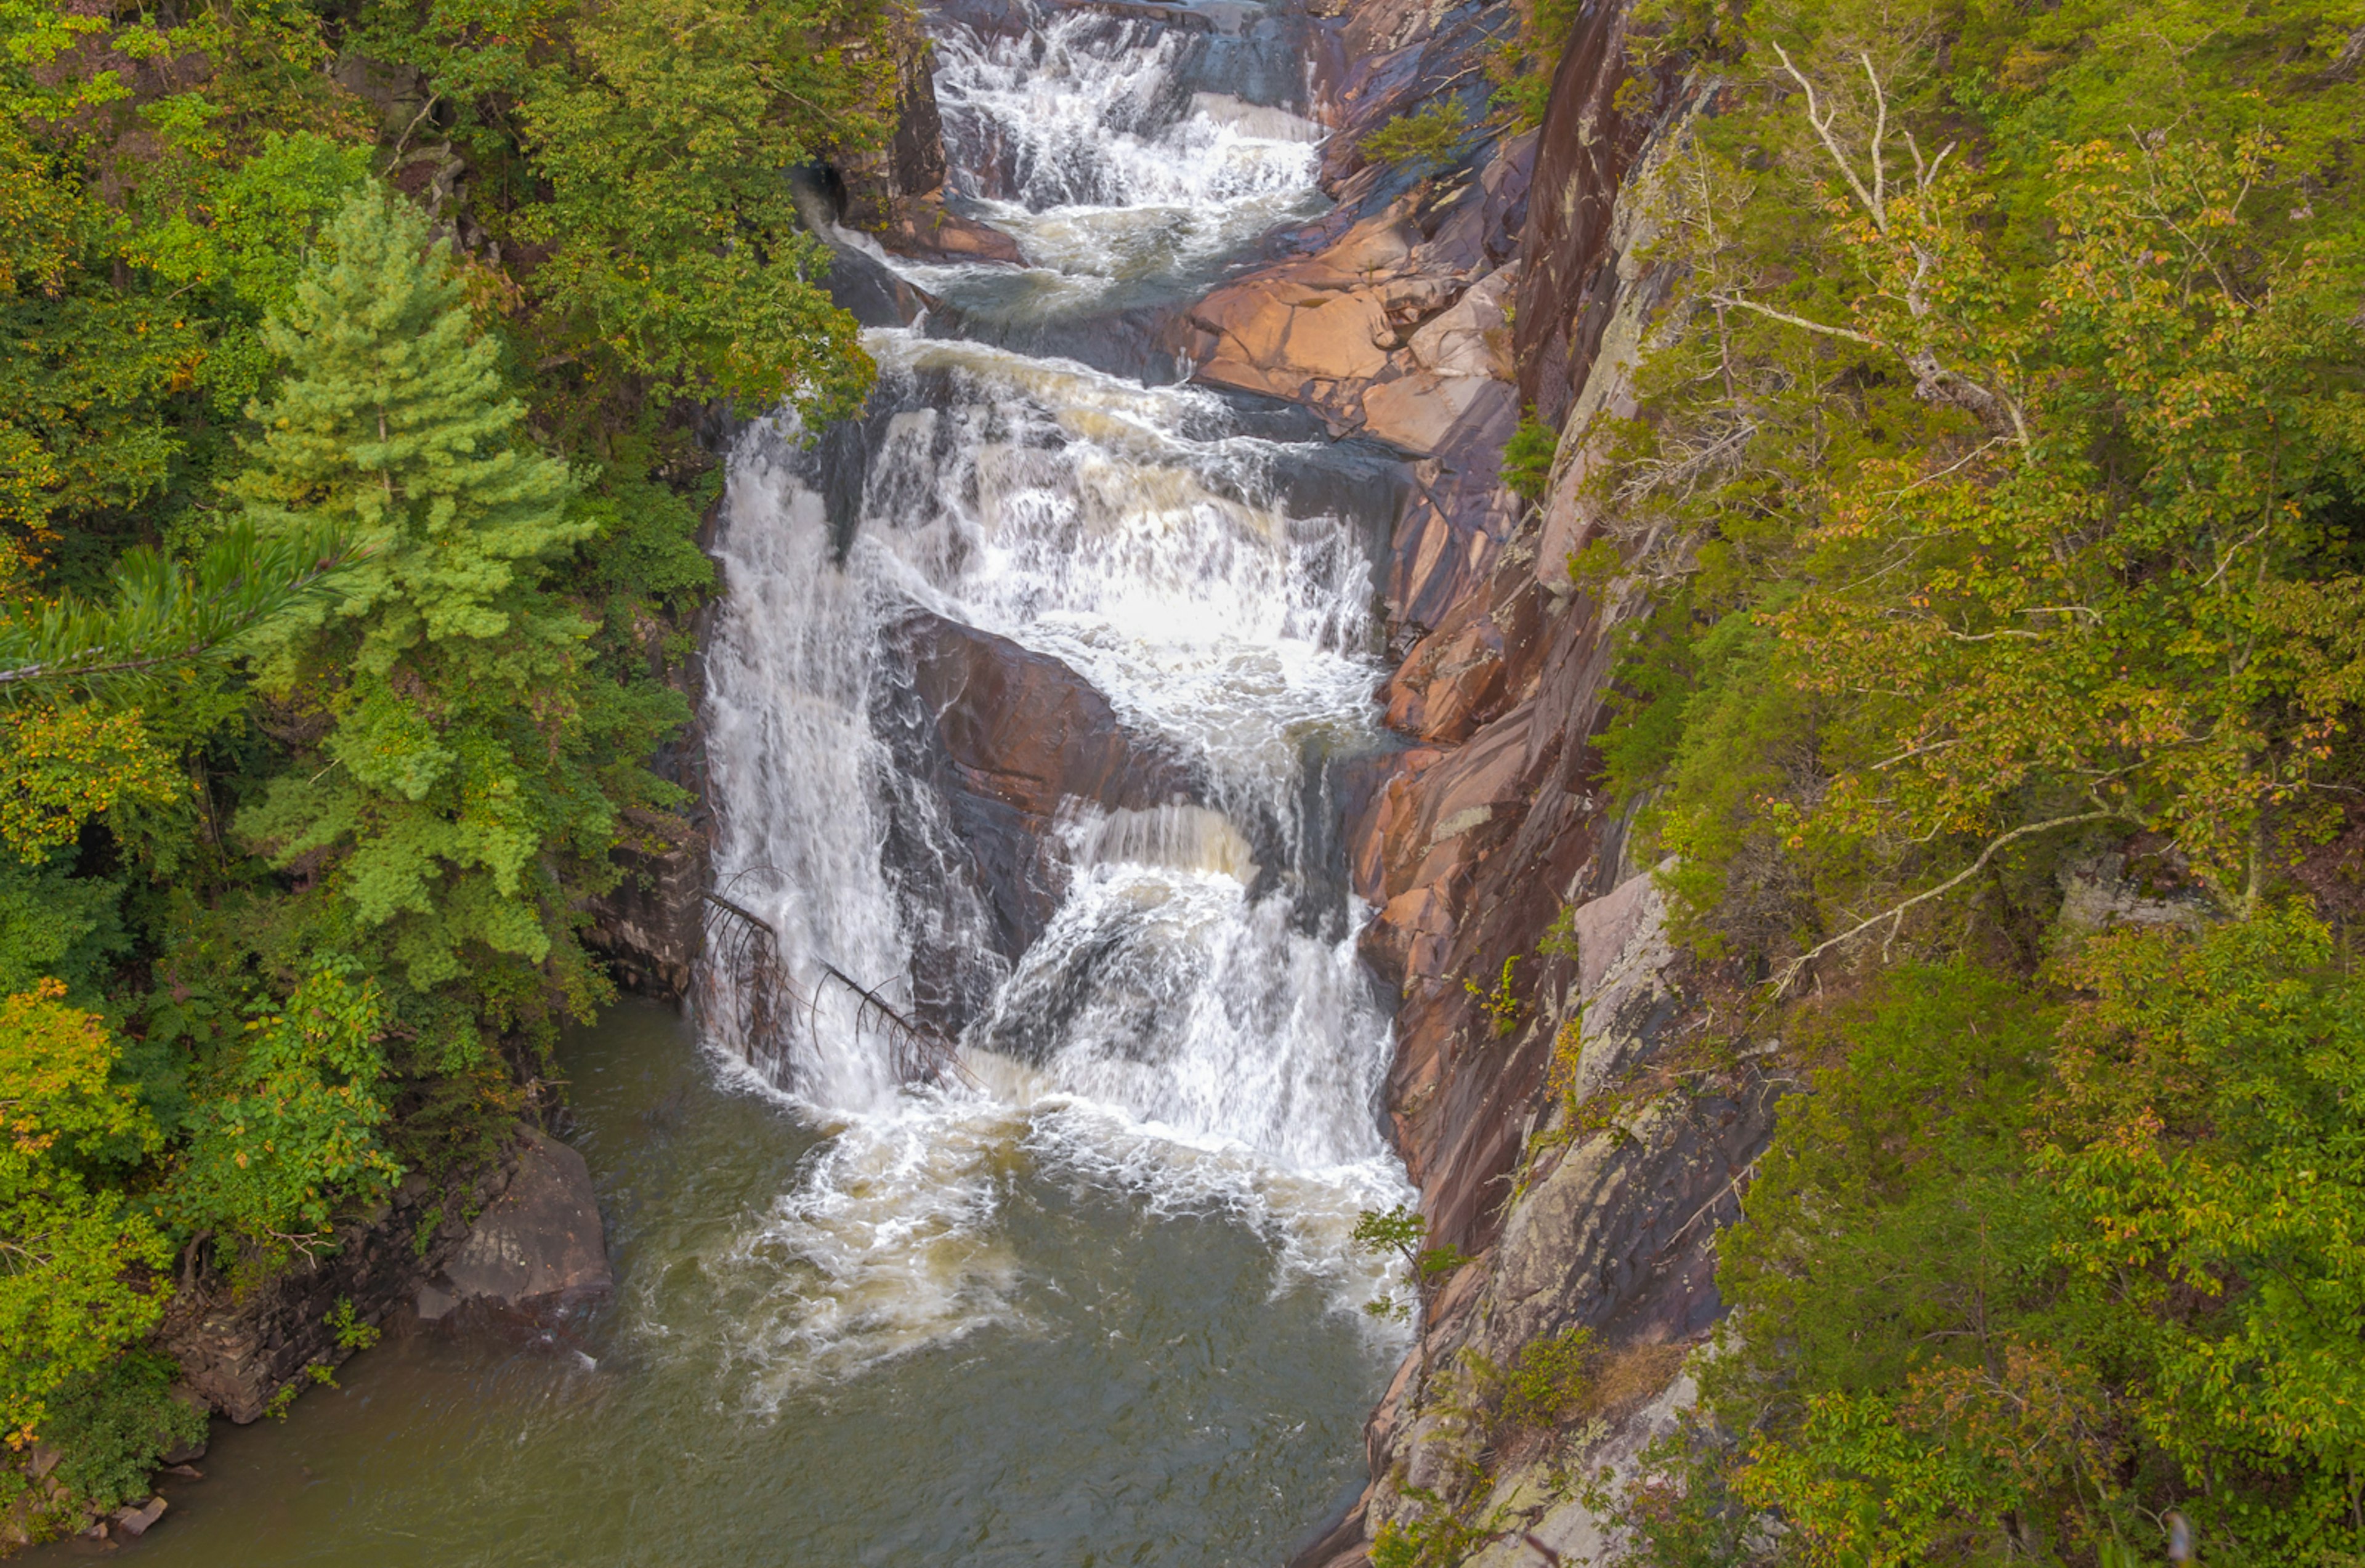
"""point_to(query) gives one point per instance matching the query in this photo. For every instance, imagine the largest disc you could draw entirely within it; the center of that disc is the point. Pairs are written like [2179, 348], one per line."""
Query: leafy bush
[1546, 1381]
[1499, 1002]
[1404, 1232]
[1528, 456]
[75, 1289]
[1522, 67]
[111, 1425]
[1421, 142]
[292, 1129]
[1434, 1537]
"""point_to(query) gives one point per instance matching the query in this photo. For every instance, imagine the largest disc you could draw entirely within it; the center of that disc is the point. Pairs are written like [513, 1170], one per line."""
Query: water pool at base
[1154, 1385]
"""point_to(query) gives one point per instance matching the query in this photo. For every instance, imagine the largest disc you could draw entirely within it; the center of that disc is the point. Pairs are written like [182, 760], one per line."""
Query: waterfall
[1156, 989]
[1119, 151]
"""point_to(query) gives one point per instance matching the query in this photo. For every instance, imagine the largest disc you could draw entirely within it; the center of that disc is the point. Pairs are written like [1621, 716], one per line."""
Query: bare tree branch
[1738, 303]
[1896, 911]
[1880, 137]
[1823, 124]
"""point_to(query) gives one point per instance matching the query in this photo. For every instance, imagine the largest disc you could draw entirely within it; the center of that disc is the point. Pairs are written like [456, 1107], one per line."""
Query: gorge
[1046, 701]
[1317, 685]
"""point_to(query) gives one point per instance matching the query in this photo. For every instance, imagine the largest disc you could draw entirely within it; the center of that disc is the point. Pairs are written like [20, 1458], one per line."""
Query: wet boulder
[995, 745]
[926, 230]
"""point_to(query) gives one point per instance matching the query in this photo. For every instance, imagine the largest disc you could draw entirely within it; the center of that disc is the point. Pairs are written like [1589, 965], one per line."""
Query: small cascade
[1087, 110]
[1120, 152]
[1021, 711]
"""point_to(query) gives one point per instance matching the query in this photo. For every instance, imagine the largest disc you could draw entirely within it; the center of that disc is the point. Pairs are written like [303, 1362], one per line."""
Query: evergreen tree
[454, 757]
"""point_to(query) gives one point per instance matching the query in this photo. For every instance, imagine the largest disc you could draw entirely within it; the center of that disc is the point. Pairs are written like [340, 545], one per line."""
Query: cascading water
[1093, 1303]
[1093, 141]
[1189, 1020]
[1129, 158]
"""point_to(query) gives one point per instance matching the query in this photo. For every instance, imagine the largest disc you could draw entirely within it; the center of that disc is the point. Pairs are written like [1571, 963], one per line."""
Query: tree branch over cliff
[1895, 913]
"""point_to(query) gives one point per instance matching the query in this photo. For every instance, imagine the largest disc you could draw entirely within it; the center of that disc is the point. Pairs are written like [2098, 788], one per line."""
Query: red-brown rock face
[1004, 739]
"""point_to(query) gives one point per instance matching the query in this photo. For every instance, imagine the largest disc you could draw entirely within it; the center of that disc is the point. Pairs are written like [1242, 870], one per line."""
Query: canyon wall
[1427, 312]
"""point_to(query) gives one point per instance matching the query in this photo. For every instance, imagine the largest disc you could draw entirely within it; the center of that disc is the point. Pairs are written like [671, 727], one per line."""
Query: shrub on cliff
[2018, 452]
[1528, 456]
[2033, 1266]
[286, 1129]
[1422, 142]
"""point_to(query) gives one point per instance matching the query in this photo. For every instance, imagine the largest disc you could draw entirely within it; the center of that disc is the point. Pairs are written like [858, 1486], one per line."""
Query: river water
[1087, 1298]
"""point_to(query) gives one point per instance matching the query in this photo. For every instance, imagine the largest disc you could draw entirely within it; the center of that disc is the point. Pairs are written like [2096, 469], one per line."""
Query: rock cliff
[1426, 313]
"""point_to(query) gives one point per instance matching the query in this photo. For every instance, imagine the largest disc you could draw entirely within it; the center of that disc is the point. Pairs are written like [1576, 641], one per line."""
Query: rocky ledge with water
[1412, 317]
[1423, 314]
[1117, 750]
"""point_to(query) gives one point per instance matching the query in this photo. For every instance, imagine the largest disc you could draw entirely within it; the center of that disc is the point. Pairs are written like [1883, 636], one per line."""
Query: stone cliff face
[1425, 314]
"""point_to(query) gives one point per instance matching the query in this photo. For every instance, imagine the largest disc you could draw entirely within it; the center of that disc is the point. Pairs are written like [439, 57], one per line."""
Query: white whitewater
[1084, 140]
[1167, 1033]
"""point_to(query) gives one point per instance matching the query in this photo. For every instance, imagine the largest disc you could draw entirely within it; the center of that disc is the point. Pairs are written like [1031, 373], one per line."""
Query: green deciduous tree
[291, 1128]
[677, 253]
[2208, 1143]
[71, 1245]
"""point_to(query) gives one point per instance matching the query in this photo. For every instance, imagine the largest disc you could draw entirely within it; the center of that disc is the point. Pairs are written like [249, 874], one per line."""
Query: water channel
[1090, 1300]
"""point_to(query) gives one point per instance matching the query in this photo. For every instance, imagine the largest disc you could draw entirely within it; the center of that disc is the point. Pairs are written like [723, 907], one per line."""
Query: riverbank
[1147, 1380]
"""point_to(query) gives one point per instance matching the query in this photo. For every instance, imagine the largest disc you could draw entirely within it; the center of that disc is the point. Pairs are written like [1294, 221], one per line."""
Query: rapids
[1091, 1298]
[1190, 1017]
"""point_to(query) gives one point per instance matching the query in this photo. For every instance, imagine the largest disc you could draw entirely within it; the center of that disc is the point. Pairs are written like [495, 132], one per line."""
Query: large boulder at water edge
[540, 1242]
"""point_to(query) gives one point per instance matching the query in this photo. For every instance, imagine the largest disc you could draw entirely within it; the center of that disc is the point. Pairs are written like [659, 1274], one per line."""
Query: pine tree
[456, 762]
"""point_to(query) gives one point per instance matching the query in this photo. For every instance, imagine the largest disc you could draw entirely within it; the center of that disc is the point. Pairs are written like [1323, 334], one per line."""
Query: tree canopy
[1992, 508]
[350, 474]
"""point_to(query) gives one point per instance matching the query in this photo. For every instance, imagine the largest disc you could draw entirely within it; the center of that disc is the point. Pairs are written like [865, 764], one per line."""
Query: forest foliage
[1992, 519]
[350, 474]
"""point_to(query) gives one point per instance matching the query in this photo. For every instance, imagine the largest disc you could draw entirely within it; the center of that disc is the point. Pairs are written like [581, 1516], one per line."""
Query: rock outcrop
[650, 925]
[896, 192]
[1610, 1228]
[238, 1349]
[997, 744]
[538, 1245]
